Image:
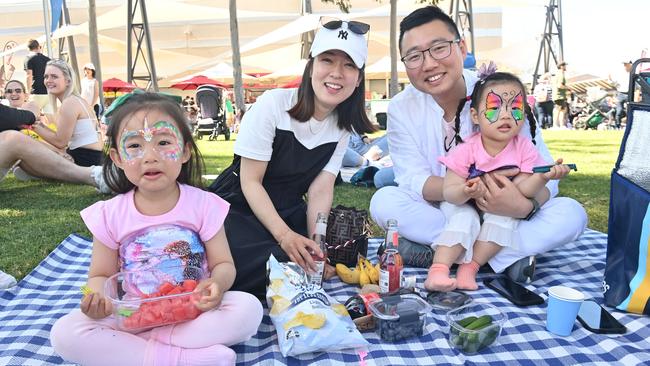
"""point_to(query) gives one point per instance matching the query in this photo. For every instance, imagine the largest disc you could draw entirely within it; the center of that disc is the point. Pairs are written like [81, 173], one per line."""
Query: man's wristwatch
[534, 210]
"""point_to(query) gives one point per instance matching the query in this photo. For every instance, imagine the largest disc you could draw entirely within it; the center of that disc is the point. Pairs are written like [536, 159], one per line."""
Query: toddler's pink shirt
[114, 220]
[519, 152]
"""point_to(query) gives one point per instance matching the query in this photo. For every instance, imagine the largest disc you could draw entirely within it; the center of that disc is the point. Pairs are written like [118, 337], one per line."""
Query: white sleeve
[334, 165]
[411, 167]
[257, 131]
[552, 185]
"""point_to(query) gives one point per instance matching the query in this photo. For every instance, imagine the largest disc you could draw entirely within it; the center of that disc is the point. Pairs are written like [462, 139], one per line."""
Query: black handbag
[347, 235]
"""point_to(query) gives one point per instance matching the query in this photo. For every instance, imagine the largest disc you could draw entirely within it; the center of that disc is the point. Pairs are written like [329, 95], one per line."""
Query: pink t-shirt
[520, 152]
[153, 249]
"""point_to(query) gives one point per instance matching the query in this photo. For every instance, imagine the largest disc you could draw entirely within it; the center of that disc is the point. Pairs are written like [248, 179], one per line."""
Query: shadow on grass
[592, 191]
[36, 216]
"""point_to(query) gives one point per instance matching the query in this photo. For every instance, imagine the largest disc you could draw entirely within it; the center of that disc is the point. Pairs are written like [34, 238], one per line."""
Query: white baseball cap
[89, 66]
[342, 38]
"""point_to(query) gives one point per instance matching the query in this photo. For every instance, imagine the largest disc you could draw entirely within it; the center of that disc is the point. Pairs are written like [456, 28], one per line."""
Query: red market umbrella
[196, 81]
[117, 85]
[293, 83]
[259, 86]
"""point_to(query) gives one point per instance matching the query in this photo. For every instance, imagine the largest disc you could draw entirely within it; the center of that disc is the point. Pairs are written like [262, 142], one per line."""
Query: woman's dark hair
[500, 77]
[422, 16]
[92, 72]
[351, 112]
[191, 170]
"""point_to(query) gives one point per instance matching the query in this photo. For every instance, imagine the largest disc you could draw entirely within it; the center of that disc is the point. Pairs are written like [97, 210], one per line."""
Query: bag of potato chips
[305, 317]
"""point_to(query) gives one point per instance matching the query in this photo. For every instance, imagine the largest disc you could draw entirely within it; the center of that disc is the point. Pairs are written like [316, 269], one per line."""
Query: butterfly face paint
[166, 139]
[517, 107]
[494, 103]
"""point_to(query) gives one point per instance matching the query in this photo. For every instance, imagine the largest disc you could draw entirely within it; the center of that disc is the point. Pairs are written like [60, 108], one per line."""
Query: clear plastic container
[400, 316]
[472, 338]
[147, 299]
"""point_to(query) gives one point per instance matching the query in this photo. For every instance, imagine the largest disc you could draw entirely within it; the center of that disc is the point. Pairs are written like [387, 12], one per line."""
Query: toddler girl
[498, 105]
[160, 222]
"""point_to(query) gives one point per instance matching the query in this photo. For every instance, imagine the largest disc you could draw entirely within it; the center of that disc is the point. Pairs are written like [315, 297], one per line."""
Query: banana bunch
[364, 273]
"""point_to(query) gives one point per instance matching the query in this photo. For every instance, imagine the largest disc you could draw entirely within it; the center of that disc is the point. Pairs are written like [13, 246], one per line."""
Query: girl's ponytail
[531, 120]
[459, 109]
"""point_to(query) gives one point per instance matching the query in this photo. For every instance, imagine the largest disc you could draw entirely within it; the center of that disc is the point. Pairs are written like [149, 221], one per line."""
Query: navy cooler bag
[627, 269]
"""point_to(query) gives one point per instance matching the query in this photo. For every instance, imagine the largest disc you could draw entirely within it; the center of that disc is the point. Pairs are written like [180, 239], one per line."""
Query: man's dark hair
[425, 15]
[32, 44]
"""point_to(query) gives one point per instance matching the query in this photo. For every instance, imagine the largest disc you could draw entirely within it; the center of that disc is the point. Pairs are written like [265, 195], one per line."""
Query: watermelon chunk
[165, 288]
[189, 285]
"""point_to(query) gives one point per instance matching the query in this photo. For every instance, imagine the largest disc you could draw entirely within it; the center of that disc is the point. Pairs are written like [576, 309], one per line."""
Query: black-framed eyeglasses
[438, 51]
[17, 90]
[354, 26]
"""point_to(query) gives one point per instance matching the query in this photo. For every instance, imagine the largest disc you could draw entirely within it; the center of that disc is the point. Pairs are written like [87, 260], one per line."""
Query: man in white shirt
[425, 121]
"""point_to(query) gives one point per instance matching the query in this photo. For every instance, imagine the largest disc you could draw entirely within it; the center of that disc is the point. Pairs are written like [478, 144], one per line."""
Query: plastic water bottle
[391, 264]
[319, 237]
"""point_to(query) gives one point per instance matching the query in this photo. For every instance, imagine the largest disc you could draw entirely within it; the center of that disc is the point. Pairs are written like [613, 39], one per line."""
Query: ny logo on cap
[343, 34]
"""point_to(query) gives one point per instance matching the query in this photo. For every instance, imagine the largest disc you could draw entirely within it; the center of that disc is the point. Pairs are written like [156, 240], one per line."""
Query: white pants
[559, 221]
[463, 226]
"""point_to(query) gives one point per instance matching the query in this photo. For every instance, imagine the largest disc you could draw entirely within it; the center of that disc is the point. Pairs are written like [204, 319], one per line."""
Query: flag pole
[46, 18]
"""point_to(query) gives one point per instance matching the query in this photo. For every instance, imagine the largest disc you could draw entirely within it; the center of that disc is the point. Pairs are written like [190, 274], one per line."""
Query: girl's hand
[475, 188]
[96, 306]
[211, 294]
[299, 250]
[558, 171]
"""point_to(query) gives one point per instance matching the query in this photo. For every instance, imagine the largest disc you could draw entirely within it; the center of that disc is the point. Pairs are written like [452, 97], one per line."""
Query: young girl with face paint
[155, 165]
[499, 110]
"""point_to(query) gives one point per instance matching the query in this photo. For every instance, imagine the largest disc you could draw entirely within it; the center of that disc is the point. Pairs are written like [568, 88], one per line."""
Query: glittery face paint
[494, 103]
[166, 139]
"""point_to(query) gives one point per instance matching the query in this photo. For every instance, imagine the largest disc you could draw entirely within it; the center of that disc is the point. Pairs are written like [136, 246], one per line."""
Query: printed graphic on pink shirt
[162, 253]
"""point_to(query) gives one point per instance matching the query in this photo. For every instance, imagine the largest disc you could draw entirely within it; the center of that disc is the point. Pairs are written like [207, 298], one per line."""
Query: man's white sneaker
[523, 270]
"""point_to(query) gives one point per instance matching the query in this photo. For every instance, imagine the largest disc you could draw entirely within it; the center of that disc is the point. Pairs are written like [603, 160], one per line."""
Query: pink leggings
[201, 341]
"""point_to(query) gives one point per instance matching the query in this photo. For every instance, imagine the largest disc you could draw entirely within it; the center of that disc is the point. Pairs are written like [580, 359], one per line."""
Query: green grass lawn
[36, 216]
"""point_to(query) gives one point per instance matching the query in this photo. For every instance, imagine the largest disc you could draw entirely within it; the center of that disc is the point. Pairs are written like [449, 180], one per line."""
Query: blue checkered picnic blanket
[28, 311]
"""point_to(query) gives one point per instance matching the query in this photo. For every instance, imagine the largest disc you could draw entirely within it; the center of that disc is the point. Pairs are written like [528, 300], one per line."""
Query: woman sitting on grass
[77, 127]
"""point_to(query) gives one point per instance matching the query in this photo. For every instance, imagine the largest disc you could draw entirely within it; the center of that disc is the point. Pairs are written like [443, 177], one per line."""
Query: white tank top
[85, 130]
[88, 90]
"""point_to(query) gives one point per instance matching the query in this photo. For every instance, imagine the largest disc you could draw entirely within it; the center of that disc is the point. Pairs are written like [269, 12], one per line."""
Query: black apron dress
[289, 174]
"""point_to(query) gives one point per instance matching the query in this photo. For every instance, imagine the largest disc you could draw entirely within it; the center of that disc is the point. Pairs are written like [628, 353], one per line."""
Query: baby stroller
[594, 110]
[213, 117]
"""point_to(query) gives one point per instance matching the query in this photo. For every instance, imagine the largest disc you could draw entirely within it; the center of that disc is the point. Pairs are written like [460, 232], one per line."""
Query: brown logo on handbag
[347, 235]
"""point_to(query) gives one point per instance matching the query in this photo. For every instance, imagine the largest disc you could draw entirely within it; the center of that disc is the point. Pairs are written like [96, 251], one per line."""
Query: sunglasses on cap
[354, 26]
[10, 91]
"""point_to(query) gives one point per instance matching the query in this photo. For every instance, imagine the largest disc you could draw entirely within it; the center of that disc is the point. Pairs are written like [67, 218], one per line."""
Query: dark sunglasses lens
[333, 24]
[358, 27]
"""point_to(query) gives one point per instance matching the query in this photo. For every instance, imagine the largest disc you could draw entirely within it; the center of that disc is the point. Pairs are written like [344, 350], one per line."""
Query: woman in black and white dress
[291, 144]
